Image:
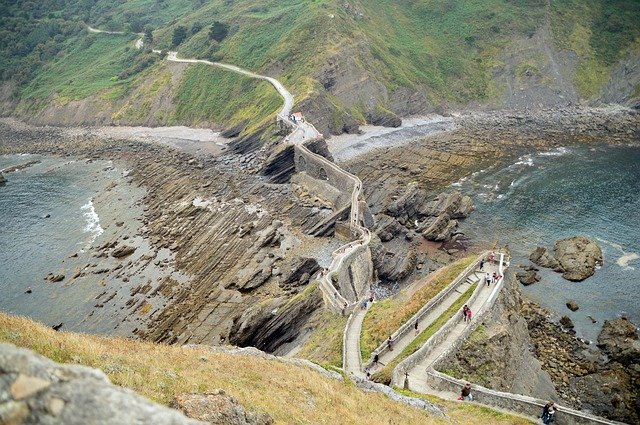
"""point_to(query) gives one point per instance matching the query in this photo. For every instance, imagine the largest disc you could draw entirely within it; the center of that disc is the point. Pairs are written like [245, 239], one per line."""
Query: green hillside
[343, 58]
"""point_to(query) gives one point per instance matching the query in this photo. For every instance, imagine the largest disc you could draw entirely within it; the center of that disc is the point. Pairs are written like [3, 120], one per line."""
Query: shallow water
[49, 224]
[546, 196]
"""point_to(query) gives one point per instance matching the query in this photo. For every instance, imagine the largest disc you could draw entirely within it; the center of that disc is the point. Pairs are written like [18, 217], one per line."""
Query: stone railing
[443, 333]
[515, 402]
[433, 303]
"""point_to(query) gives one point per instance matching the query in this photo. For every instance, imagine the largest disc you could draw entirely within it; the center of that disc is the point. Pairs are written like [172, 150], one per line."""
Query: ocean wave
[525, 160]
[92, 225]
[626, 257]
[556, 152]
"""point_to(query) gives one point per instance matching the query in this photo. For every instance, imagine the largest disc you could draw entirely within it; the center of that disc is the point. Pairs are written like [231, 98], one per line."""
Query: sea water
[48, 218]
[544, 196]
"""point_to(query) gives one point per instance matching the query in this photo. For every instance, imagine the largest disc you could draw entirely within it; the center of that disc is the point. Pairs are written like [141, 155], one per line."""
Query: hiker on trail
[465, 394]
[464, 312]
[487, 278]
[344, 308]
[415, 326]
[390, 343]
[548, 413]
[469, 314]
[376, 359]
[363, 305]
[481, 264]
[494, 278]
[492, 257]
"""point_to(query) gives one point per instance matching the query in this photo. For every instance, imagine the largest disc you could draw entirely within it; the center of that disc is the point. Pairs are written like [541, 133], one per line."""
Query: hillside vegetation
[345, 61]
[289, 393]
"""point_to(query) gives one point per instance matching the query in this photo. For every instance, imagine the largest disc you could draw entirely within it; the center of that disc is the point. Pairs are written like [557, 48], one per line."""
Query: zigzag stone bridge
[349, 276]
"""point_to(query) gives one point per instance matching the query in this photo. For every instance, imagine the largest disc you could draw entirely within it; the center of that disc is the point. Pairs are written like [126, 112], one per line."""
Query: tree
[179, 35]
[218, 31]
[148, 35]
[196, 27]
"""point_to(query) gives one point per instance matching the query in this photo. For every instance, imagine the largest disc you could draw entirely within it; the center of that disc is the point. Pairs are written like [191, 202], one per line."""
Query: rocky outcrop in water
[36, 390]
[576, 258]
[2, 179]
[218, 408]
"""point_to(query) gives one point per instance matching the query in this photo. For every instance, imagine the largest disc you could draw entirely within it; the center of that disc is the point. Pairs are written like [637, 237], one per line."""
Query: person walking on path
[487, 278]
[481, 264]
[415, 326]
[469, 314]
[465, 394]
[390, 343]
[548, 413]
[494, 277]
[464, 312]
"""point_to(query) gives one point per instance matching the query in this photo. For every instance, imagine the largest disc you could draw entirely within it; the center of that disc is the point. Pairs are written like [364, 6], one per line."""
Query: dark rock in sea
[55, 277]
[619, 340]
[218, 408]
[543, 258]
[2, 179]
[28, 291]
[46, 216]
[57, 327]
[578, 257]
[594, 321]
[566, 322]
[572, 305]
[123, 251]
[528, 277]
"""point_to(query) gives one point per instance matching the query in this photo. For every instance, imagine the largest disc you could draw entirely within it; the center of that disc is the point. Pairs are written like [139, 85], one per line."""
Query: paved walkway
[418, 374]
[352, 362]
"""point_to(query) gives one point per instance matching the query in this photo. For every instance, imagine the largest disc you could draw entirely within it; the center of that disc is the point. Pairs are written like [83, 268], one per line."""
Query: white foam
[93, 221]
[626, 259]
[525, 160]
[556, 152]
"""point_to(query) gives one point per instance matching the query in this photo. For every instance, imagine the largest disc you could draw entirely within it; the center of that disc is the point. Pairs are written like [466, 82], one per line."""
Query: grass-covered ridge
[600, 33]
[289, 393]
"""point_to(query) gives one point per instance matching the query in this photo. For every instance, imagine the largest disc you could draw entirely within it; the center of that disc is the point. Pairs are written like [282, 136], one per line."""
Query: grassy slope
[385, 374]
[600, 32]
[386, 316]
[291, 394]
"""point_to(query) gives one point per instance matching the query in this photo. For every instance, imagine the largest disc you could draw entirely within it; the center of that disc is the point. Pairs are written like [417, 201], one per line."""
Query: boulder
[578, 257]
[383, 117]
[409, 204]
[387, 227]
[528, 277]
[438, 228]
[37, 390]
[122, 251]
[619, 340]
[572, 305]
[300, 273]
[566, 322]
[543, 258]
[454, 204]
[217, 408]
[2, 179]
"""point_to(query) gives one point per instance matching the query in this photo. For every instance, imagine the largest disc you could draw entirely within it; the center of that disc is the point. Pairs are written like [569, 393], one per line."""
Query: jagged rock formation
[435, 219]
[36, 390]
[217, 408]
[576, 258]
[275, 322]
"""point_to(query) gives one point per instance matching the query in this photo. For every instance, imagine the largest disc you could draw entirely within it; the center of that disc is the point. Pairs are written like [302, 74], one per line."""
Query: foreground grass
[466, 413]
[289, 393]
[386, 316]
[384, 375]
[325, 345]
